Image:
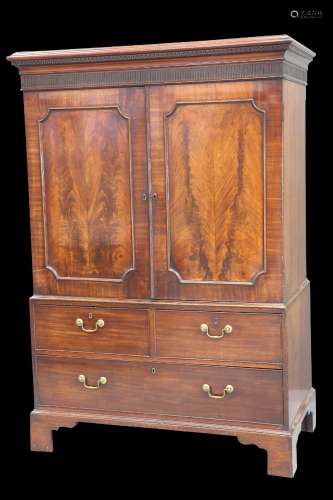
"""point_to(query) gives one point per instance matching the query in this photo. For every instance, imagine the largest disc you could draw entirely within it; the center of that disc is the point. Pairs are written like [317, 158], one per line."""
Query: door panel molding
[74, 193]
[178, 105]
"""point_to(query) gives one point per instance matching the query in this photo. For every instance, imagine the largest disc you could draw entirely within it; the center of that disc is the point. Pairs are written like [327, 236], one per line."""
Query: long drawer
[253, 395]
[89, 329]
[227, 336]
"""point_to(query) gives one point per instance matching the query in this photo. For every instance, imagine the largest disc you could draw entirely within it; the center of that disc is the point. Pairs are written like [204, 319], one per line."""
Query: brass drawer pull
[99, 324]
[227, 390]
[100, 381]
[205, 329]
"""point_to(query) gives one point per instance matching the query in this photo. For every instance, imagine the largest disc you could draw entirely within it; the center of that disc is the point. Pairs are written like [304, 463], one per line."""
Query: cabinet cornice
[212, 60]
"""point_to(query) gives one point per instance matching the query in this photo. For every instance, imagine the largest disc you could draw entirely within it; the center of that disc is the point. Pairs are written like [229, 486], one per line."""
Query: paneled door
[215, 163]
[87, 152]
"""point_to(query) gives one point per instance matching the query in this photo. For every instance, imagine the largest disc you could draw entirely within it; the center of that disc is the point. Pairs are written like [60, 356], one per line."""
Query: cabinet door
[87, 173]
[215, 155]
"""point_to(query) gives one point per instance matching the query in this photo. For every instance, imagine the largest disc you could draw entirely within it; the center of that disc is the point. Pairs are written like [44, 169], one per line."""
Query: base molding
[280, 444]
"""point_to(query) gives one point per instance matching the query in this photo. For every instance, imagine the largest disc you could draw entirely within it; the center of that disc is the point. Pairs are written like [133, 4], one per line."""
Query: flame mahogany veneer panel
[215, 155]
[86, 162]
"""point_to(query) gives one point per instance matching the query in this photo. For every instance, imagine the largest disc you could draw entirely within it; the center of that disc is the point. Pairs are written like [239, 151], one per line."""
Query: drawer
[254, 337]
[123, 332]
[164, 389]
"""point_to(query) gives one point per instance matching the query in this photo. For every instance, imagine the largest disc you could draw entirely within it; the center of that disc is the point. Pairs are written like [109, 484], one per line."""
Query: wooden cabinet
[167, 204]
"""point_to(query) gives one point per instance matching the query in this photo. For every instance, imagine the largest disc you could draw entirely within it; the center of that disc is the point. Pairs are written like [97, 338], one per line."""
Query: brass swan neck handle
[99, 324]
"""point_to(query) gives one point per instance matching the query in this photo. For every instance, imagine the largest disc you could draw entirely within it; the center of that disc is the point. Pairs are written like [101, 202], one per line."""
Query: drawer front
[254, 337]
[164, 389]
[123, 331]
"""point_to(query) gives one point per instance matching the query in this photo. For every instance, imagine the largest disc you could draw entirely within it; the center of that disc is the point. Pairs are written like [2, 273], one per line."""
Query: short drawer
[165, 389]
[90, 329]
[253, 337]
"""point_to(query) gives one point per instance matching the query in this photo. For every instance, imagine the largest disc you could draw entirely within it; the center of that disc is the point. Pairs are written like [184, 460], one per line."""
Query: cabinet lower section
[241, 370]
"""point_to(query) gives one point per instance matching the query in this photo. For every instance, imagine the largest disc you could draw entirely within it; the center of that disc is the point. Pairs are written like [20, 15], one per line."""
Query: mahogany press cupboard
[167, 205]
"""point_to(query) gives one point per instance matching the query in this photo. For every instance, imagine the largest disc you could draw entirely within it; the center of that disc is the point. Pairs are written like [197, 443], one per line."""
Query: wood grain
[254, 337]
[249, 58]
[151, 49]
[157, 208]
[124, 331]
[41, 428]
[297, 340]
[294, 209]
[172, 390]
[215, 172]
[96, 223]
[279, 444]
[190, 305]
[282, 449]
[86, 164]
[232, 243]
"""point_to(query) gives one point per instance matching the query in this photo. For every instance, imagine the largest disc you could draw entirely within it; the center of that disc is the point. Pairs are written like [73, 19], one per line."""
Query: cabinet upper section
[278, 56]
[189, 191]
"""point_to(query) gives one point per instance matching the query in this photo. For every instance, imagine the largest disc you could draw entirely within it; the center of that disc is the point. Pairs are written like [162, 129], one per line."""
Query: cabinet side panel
[35, 193]
[294, 213]
[298, 333]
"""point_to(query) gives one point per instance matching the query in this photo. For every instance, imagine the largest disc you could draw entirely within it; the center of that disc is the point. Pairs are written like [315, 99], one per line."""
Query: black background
[120, 456]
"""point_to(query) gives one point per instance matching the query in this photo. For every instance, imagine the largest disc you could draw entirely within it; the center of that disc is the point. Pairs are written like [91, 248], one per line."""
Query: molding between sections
[271, 307]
